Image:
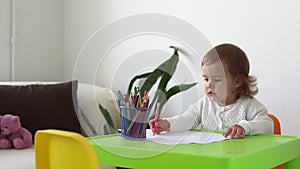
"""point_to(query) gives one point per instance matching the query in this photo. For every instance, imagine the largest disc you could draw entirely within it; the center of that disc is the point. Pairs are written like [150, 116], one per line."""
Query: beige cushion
[91, 119]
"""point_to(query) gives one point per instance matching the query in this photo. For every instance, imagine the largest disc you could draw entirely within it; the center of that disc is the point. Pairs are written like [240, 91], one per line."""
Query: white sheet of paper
[185, 137]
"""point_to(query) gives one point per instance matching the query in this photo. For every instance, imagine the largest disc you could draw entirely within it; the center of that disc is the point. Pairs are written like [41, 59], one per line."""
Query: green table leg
[293, 164]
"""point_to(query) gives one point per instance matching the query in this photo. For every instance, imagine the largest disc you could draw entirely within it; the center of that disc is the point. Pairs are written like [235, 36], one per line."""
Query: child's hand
[161, 125]
[236, 131]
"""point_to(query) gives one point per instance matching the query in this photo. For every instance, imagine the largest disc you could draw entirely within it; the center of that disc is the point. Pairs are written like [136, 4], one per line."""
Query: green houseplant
[161, 75]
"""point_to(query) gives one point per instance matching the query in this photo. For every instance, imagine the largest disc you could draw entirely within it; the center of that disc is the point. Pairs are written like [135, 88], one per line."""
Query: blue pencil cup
[134, 122]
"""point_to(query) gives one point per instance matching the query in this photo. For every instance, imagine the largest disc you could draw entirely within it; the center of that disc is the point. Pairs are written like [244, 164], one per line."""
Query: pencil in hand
[156, 118]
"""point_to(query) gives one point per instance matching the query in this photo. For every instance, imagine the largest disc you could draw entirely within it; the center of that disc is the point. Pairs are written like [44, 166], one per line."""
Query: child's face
[219, 85]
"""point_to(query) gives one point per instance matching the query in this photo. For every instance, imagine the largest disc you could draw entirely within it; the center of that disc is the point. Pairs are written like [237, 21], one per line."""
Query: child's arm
[186, 121]
[191, 118]
[257, 120]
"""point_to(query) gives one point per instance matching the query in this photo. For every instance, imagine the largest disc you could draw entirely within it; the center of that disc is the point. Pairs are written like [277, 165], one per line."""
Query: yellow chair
[277, 130]
[56, 149]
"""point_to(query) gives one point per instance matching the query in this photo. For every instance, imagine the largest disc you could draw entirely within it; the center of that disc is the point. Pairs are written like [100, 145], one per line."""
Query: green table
[253, 152]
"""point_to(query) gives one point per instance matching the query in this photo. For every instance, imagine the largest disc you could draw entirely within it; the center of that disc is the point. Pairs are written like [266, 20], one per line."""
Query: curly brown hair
[238, 66]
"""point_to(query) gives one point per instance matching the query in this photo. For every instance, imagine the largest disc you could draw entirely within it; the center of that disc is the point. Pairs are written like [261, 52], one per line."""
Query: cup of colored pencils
[134, 115]
[133, 122]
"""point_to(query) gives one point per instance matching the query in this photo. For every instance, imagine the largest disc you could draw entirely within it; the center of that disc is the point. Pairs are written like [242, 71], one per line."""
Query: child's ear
[237, 82]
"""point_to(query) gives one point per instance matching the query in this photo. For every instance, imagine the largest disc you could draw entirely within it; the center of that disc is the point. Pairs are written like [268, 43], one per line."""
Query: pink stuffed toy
[4, 142]
[12, 134]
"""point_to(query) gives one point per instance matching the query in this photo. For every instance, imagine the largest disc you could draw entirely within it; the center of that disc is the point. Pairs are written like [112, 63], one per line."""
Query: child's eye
[217, 80]
[205, 79]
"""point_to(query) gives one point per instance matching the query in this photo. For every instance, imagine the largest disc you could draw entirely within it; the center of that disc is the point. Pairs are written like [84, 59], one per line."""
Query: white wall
[268, 31]
[39, 40]
[4, 40]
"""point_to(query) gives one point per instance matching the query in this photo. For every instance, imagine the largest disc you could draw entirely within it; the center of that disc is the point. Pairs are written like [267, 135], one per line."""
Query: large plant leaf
[166, 70]
[159, 97]
[108, 129]
[169, 70]
[134, 79]
[177, 89]
[88, 123]
[107, 116]
[168, 67]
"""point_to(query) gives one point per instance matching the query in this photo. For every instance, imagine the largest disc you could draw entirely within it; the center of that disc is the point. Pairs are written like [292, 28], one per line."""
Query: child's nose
[210, 84]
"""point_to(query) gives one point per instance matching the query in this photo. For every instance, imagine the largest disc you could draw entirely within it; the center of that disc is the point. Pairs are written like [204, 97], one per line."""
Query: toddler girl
[229, 104]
